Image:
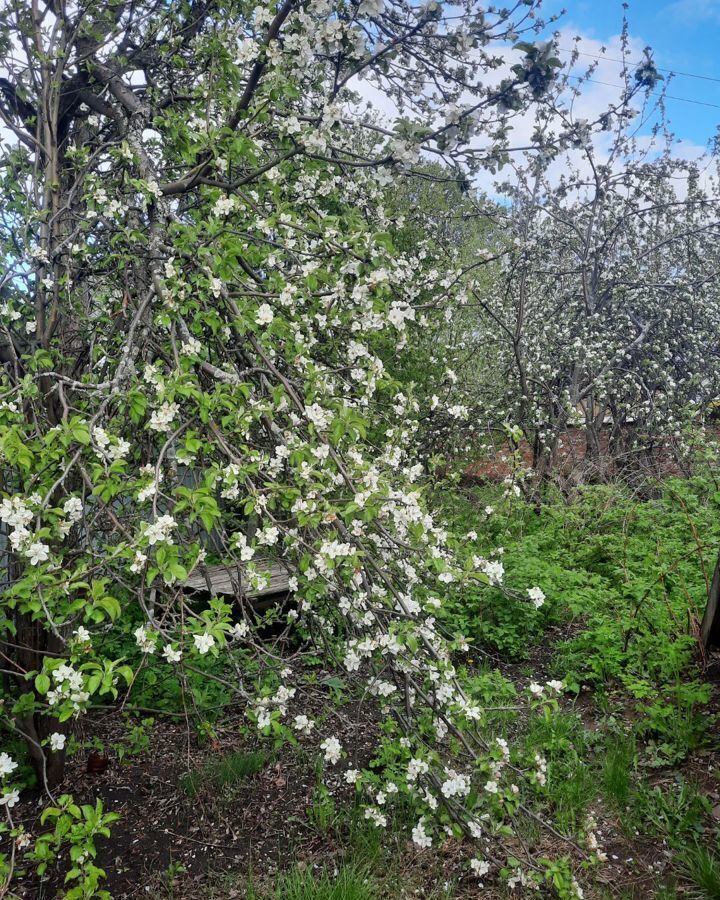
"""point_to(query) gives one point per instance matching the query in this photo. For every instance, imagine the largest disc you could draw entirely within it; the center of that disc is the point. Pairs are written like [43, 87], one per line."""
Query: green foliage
[666, 892]
[628, 576]
[618, 760]
[136, 740]
[559, 876]
[323, 811]
[675, 724]
[677, 813]
[571, 788]
[560, 738]
[625, 582]
[75, 828]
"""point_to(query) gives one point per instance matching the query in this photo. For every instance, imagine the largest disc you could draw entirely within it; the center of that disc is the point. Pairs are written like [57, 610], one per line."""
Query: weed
[559, 734]
[322, 812]
[571, 789]
[675, 722]
[666, 892]
[169, 878]
[136, 740]
[677, 813]
[223, 773]
[701, 867]
[349, 883]
[617, 769]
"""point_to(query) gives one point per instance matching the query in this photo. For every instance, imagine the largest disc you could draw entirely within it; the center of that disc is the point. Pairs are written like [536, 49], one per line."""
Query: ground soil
[173, 842]
[169, 844]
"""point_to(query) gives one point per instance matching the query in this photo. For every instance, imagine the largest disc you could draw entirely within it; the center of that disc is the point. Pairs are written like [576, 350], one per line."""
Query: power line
[624, 62]
[664, 96]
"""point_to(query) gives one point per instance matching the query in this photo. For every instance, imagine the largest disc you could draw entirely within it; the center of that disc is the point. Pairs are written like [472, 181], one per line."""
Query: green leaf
[80, 431]
[126, 672]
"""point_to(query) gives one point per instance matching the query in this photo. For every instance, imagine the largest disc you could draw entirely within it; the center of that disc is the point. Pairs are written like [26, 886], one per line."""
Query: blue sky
[685, 35]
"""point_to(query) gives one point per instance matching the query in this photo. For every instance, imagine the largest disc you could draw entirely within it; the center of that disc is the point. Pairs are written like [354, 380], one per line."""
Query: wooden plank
[222, 577]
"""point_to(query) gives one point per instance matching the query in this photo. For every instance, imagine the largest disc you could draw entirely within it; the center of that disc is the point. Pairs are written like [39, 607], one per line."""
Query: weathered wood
[710, 628]
[224, 578]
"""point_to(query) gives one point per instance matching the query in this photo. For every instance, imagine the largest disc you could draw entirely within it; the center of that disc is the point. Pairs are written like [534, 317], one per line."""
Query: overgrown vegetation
[625, 745]
[255, 628]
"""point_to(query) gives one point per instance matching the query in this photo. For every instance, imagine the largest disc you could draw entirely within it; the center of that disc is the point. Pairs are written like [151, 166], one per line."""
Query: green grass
[571, 791]
[560, 737]
[226, 772]
[618, 761]
[677, 813]
[322, 813]
[666, 892]
[350, 883]
[702, 869]
[558, 733]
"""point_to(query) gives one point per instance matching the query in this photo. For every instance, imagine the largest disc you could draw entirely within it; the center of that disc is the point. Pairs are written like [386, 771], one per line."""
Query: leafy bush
[626, 578]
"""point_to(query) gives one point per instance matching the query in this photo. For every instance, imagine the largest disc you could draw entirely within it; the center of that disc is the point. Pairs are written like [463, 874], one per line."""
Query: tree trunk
[35, 642]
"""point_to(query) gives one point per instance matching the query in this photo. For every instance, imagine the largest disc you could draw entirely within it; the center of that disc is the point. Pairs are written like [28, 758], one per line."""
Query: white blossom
[420, 836]
[161, 419]
[303, 724]
[332, 749]
[264, 315]
[171, 654]
[537, 596]
[7, 764]
[10, 798]
[144, 639]
[37, 552]
[480, 867]
[203, 642]
[160, 530]
[57, 741]
[73, 509]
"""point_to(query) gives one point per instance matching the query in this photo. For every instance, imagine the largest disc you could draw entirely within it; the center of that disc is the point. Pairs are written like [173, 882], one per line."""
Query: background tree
[435, 213]
[606, 306]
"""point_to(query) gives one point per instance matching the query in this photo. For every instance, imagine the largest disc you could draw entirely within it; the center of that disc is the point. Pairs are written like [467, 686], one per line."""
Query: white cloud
[693, 11]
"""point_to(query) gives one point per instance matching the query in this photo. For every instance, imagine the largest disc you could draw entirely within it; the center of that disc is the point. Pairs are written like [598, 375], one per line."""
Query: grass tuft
[223, 773]
[617, 767]
[701, 867]
[350, 883]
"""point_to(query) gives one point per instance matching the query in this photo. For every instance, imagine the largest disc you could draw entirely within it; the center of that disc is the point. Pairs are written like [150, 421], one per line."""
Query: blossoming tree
[199, 271]
[605, 311]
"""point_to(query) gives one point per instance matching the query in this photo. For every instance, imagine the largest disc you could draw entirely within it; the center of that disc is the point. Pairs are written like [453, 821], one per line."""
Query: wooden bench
[225, 579]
